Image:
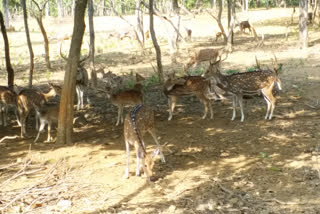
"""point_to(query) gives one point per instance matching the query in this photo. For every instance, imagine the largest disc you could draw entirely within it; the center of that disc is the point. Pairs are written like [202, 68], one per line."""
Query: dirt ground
[212, 166]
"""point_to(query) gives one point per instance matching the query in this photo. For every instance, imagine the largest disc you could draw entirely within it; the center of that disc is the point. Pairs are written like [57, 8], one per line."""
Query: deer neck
[52, 93]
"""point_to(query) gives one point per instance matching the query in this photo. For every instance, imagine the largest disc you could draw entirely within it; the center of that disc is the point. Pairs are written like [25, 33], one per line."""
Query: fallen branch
[8, 137]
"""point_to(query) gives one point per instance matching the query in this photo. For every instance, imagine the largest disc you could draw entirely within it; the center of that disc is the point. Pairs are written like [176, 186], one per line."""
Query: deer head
[149, 164]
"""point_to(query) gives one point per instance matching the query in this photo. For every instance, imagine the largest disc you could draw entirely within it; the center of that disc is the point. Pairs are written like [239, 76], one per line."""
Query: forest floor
[212, 166]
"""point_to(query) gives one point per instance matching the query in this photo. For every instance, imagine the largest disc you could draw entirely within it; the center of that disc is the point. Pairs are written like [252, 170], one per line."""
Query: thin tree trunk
[39, 17]
[6, 13]
[139, 15]
[10, 70]
[123, 9]
[25, 18]
[155, 43]
[60, 9]
[232, 22]
[48, 9]
[46, 41]
[303, 23]
[73, 5]
[214, 5]
[92, 72]
[65, 124]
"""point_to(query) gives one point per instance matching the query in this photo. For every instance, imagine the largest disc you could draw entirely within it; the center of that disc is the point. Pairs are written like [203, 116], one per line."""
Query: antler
[80, 61]
[257, 62]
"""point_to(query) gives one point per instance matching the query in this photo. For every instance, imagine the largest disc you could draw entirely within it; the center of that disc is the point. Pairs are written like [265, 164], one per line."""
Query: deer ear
[156, 152]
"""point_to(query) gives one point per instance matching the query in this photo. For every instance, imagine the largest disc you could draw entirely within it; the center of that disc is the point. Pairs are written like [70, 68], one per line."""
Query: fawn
[188, 86]
[26, 100]
[136, 125]
[125, 98]
[248, 83]
[48, 113]
[7, 98]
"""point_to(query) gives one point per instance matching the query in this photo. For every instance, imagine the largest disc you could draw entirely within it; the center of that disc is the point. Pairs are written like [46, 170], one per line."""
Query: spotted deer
[218, 36]
[245, 25]
[27, 99]
[82, 79]
[126, 98]
[137, 123]
[260, 81]
[202, 55]
[188, 86]
[7, 98]
[48, 114]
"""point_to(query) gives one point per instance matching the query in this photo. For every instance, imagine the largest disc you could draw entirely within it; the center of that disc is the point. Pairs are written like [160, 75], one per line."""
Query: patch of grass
[232, 71]
[129, 84]
[153, 80]
[253, 68]
[197, 72]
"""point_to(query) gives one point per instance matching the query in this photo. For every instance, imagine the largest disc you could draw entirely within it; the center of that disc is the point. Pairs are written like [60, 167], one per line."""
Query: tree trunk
[10, 70]
[60, 9]
[231, 26]
[25, 18]
[155, 43]
[46, 41]
[73, 5]
[6, 13]
[214, 5]
[48, 9]
[92, 72]
[123, 9]
[303, 23]
[139, 15]
[246, 5]
[218, 19]
[65, 124]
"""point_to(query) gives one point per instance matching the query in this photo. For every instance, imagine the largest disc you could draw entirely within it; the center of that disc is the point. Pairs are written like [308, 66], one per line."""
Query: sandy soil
[213, 166]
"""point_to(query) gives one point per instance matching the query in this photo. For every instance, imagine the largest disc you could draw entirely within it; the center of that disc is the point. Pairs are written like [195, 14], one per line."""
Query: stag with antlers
[260, 81]
[82, 79]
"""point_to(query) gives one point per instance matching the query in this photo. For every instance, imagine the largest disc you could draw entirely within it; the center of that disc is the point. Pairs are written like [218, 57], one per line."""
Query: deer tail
[142, 150]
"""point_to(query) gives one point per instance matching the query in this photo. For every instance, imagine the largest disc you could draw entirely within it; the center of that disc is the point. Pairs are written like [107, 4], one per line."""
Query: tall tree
[60, 9]
[139, 28]
[65, 124]
[92, 73]
[7, 53]
[37, 13]
[48, 9]
[155, 43]
[25, 18]
[6, 12]
[303, 23]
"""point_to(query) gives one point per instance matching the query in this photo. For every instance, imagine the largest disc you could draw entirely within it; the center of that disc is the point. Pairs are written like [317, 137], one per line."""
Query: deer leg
[81, 98]
[152, 132]
[42, 125]
[172, 104]
[240, 100]
[234, 105]
[5, 118]
[37, 120]
[1, 114]
[78, 97]
[120, 111]
[138, 162]
[49, 130]
[17, 116]
[126, 173]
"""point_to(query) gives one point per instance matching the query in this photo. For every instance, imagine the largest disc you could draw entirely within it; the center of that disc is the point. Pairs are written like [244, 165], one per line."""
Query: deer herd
[212, 85]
